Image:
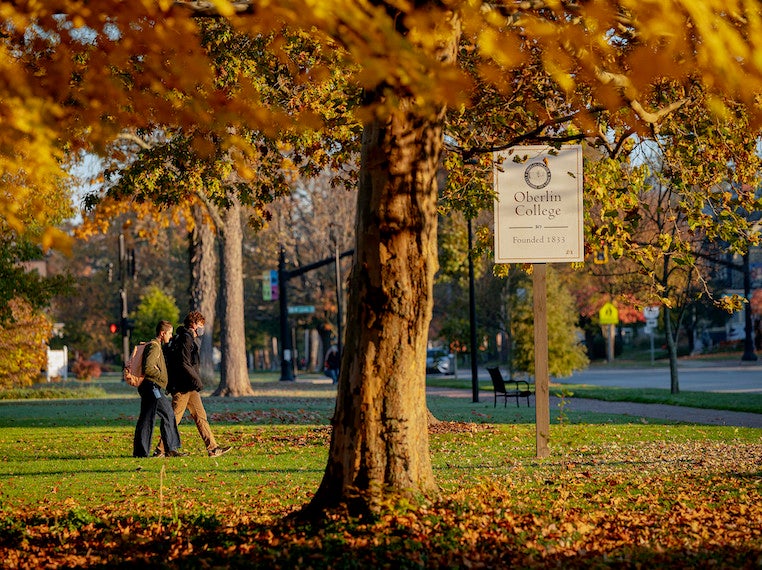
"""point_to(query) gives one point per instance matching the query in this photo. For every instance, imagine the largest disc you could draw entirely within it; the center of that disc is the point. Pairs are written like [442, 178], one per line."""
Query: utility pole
[336, 257]
[748, 345]
[472, 318]
[123, 300]
[286, 345]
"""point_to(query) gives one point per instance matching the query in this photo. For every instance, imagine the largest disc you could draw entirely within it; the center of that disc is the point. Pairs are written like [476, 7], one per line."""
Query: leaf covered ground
[618, 496]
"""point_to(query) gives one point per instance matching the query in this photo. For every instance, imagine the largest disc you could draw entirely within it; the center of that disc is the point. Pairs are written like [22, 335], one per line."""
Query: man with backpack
[185, 384]
[152, 398]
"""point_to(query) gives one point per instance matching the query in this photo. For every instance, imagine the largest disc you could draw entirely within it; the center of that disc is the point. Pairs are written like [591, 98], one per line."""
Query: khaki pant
[192, 401]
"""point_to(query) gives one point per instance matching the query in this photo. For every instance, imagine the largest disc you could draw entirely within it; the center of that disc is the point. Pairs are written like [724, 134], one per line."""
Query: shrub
[23, 349]
[86, 369]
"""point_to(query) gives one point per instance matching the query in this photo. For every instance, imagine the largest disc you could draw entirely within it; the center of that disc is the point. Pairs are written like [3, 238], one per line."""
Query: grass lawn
[612, 494]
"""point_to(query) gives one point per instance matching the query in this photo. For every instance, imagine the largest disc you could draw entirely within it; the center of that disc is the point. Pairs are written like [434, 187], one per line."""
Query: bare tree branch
[535, 135]
[132, 137]
[206, 8]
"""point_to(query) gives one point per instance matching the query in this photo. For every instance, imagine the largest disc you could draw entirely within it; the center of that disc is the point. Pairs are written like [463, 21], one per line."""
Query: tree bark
[203, 288]
[234, 376]
[380, 445]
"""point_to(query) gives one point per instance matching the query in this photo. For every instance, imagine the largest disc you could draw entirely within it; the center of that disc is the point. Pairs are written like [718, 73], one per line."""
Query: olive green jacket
[154, 365]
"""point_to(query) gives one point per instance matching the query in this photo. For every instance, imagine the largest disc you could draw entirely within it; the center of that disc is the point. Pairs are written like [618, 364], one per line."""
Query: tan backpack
[133, 370]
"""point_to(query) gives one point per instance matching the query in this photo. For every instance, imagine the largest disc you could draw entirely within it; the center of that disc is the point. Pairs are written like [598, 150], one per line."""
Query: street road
[693, 376]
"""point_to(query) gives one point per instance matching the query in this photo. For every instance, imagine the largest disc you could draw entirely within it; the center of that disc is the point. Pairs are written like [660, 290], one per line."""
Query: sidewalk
[636, 411]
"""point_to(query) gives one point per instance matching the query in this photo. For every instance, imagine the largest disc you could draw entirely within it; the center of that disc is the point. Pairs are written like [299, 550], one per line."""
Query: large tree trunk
[380, 441]
[234, 379]
[203, 288]
[380, 445]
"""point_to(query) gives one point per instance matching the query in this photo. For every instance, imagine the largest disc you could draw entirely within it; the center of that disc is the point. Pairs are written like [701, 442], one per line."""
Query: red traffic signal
[113, 327]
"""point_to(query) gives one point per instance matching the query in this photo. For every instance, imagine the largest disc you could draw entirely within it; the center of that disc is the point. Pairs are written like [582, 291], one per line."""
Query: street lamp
[748, 343]
[124, 314]
[472, 316]
[286, 349]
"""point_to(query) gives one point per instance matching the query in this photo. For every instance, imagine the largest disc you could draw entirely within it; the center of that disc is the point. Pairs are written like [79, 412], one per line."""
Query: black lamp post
[337, 258]
[287, 347]
[472, 317]
[123, 312]
[748, 344]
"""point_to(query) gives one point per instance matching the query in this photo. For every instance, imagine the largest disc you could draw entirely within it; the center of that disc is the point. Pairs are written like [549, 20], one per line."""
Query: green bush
[155, 305]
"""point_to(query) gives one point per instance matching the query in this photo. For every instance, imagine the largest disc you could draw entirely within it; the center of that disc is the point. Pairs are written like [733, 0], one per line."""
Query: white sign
[651, 312]
[58, 363]
[538, 210]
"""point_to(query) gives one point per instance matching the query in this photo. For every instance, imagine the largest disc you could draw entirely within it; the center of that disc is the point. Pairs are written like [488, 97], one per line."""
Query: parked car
[439, 361]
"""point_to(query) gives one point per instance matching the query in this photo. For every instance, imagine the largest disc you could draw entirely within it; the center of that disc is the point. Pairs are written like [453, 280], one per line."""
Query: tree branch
[206, 8]
[211, 209]
[623, 83]
[533, 135]
[132, 137]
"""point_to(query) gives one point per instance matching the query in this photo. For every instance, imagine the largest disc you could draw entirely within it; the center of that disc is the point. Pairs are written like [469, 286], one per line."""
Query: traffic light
[114, 328]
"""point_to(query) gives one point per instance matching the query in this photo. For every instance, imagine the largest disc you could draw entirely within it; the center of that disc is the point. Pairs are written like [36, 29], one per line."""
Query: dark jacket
[184, 363]
[332, 360]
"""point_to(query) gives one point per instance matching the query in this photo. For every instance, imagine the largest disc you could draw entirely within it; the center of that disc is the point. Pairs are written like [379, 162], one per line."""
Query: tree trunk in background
[234, 379]
[674, 382]
[203, 288]
[671, 333]
[380, 444]
[315, 361]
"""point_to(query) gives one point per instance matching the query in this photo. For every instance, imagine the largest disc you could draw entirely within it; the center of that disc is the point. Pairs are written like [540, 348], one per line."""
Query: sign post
[652, 317]
[539, 220]
[541, 375]
[608, 317]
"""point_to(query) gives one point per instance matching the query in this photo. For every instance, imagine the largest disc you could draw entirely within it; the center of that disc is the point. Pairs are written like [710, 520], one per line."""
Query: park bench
[509, 388]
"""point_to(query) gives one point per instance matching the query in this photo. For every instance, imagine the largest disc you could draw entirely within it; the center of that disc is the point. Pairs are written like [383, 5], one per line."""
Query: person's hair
[192, 318]
[163, 326]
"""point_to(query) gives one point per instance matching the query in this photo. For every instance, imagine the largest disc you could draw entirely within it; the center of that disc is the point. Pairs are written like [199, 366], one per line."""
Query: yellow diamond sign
[608, 315]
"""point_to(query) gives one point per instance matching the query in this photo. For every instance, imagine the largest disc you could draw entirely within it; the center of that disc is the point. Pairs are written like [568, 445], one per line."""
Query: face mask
[200, 331]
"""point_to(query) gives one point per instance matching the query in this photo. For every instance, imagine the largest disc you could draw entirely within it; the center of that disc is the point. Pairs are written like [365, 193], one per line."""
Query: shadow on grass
[511, 540]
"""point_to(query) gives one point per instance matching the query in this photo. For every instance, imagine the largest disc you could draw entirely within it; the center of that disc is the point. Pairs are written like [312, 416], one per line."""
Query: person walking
[153, 401]
[332, 363]
[185, 382]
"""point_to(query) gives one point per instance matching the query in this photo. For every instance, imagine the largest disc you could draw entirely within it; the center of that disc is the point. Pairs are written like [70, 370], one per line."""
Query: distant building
[38, 265]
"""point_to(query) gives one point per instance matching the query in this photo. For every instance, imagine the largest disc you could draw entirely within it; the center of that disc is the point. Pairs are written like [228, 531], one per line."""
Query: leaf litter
[677, 503]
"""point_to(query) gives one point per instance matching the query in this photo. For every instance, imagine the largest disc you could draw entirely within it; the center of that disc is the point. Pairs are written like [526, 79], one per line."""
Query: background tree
[17, 279]
[156, 244]
[202, 289]
[154, 305]
[311, 223]
[91, 305]
[693, 188]
[566, 352]
[193, 164]
[23, 352]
